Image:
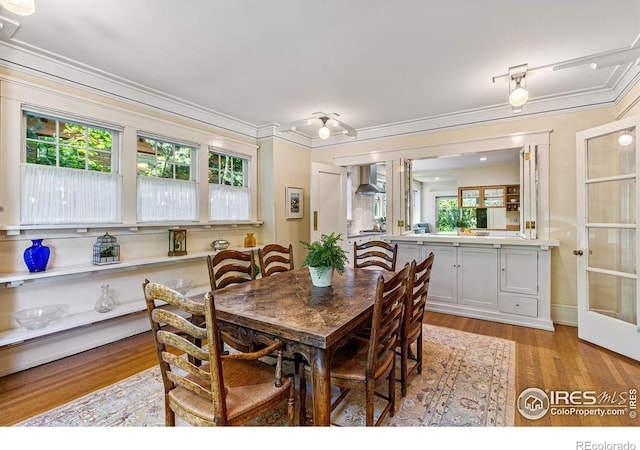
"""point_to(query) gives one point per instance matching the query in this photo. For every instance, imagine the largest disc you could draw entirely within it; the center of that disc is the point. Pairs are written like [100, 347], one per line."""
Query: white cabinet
[478, 277]
[500, 280]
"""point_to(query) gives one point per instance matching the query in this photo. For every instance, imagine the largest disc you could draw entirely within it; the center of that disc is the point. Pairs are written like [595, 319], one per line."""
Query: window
[62, 143]
[69, 172]
[164, 159]
[229, 190]
[167, 189]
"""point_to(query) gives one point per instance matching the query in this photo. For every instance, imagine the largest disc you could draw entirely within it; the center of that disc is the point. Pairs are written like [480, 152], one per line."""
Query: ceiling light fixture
[20, 7]
[324, 132]
[625, 138]
[518, 94]
[320, 125]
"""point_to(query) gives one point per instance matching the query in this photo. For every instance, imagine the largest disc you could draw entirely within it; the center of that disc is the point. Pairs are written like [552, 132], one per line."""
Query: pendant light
[625, 138]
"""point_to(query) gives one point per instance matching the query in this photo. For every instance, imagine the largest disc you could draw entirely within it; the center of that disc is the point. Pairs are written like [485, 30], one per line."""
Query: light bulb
[518, 96]
[20, 7]
[625, 139]
[324, 132]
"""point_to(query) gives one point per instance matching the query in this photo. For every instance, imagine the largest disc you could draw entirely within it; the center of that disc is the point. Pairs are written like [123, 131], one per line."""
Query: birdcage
[106, 250]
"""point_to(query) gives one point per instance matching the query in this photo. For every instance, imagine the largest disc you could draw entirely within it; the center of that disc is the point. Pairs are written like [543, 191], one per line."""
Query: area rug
[467, 380]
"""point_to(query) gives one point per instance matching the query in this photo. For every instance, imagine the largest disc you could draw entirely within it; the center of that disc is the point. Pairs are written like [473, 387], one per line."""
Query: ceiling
[387, 68]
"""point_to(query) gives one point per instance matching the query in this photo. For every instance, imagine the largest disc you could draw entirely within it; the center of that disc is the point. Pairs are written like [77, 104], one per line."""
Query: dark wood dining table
[312, 321]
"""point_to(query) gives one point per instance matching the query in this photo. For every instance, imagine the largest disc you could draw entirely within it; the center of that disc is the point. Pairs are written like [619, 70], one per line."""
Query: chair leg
[291, 402]
[370, 397]
[392, 389]
[169, 415]
[303, 398]
[404, 362]
[419, 352]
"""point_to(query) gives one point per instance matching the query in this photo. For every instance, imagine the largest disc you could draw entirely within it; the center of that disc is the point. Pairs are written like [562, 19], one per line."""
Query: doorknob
[578, 252]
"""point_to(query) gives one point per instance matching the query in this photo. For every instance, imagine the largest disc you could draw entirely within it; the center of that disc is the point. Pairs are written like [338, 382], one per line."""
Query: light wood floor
[546, 360]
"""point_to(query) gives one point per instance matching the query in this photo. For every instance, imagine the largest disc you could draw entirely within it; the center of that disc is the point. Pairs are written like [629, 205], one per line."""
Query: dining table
[312, 321]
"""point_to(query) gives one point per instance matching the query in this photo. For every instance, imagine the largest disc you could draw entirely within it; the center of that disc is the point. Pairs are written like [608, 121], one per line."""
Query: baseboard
[564, 315]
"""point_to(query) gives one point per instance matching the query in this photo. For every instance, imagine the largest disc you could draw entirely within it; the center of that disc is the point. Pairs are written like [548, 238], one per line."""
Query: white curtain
[168, 200]
[229, 203]
[56, 195]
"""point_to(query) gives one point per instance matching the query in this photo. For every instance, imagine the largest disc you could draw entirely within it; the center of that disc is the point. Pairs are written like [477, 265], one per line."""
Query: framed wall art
[293, 203]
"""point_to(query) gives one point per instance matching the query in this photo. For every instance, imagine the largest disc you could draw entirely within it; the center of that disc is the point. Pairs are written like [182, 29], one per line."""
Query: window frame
[249, 175]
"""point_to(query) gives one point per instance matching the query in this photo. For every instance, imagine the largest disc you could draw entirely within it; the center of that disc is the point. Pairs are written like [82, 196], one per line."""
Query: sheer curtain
[55, 195]
[229, 203]
[161, 199]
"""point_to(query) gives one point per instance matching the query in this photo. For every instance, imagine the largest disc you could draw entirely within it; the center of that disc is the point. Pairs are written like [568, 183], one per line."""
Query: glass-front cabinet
[469, 197]
[481, 197]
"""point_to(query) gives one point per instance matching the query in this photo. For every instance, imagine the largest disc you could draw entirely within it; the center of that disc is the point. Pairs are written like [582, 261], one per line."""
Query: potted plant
[460, 224]
[324, 256]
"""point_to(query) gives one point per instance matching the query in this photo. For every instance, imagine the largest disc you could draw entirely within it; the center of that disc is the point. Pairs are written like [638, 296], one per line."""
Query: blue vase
[36, 257]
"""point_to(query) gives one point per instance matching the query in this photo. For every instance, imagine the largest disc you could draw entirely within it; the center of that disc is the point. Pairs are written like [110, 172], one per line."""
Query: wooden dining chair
[222, 389]
[365, 364]
[411, 331]
[228, 267]
[376, 254]
[275, 258]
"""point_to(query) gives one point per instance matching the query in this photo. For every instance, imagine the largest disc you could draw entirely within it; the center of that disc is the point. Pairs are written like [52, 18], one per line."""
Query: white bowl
[182, 285]
[38, 317]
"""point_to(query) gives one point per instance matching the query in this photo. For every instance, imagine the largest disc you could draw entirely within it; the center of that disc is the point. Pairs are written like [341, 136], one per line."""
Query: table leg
[321, 386]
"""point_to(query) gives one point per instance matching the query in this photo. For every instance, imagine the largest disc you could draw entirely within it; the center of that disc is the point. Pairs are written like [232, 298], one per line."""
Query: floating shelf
[64, 323]
[15, 279]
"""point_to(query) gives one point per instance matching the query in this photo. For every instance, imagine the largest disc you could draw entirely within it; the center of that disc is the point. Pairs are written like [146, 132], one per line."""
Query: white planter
[321, 276]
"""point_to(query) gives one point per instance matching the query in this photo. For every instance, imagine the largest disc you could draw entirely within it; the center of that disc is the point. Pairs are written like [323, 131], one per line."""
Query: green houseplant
[324, 256]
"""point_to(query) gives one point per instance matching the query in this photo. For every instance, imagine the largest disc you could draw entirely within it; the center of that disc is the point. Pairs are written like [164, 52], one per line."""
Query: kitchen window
[69, 174]
[167, 189]
[229, 189]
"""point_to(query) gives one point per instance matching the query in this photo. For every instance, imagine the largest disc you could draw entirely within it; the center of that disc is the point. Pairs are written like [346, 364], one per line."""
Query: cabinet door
[478, 277]
[469, 197]
[407, 253]
[443, 285]
[519, 271]
[493, 197]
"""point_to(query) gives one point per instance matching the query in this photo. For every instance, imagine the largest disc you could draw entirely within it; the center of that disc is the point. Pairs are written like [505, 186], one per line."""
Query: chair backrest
[386, 321]
[417, 290]
[275, 258]
[229, 267]
[375, 253]
[201, 372]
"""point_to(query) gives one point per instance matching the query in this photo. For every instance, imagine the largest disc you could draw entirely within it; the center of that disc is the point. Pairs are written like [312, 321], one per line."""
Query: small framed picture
[294, 203]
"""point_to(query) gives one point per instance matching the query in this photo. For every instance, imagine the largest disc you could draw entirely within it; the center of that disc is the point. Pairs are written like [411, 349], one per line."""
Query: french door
[607, 236]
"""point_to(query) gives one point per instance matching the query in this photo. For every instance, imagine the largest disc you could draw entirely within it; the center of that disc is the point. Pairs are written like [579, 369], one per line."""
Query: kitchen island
[498, 278]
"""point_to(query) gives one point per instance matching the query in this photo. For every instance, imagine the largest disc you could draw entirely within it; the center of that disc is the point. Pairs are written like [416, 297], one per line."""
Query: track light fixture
[518, 94]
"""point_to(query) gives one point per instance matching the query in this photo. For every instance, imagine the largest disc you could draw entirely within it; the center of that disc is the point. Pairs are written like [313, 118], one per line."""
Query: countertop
[456, 240]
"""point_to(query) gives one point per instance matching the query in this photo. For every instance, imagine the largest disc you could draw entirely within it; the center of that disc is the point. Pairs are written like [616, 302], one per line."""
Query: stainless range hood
[369, 181]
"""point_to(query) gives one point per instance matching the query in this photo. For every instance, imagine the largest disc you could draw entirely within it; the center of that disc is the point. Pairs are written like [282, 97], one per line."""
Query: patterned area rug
[467, 380]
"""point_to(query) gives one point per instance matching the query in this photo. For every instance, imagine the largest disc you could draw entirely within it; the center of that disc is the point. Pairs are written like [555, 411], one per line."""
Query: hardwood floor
[556, 361]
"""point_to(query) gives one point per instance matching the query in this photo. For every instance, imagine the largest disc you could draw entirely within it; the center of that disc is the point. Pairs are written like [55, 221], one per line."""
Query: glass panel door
[607, 237]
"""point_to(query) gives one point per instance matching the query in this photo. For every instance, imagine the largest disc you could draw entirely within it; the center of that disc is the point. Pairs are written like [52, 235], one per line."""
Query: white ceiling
[385, 67]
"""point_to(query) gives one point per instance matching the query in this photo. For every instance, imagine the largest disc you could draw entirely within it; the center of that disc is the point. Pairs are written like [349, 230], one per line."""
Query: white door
[607, 232]
[328, 201]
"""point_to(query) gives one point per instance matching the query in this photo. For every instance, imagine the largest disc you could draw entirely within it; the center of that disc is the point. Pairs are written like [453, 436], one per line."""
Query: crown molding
[58, 69]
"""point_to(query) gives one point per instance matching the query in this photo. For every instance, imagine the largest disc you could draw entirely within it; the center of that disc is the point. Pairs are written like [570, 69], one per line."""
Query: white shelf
[15, 279]
[63, 323]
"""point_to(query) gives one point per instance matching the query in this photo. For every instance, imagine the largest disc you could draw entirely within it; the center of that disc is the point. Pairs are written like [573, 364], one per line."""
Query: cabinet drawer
[517, 304]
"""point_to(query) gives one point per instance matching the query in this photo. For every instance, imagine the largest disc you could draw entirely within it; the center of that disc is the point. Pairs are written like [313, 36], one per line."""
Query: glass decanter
[105, 302]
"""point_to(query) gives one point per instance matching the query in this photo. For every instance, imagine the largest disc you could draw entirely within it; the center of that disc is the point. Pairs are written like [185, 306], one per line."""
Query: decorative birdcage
[106, 250]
